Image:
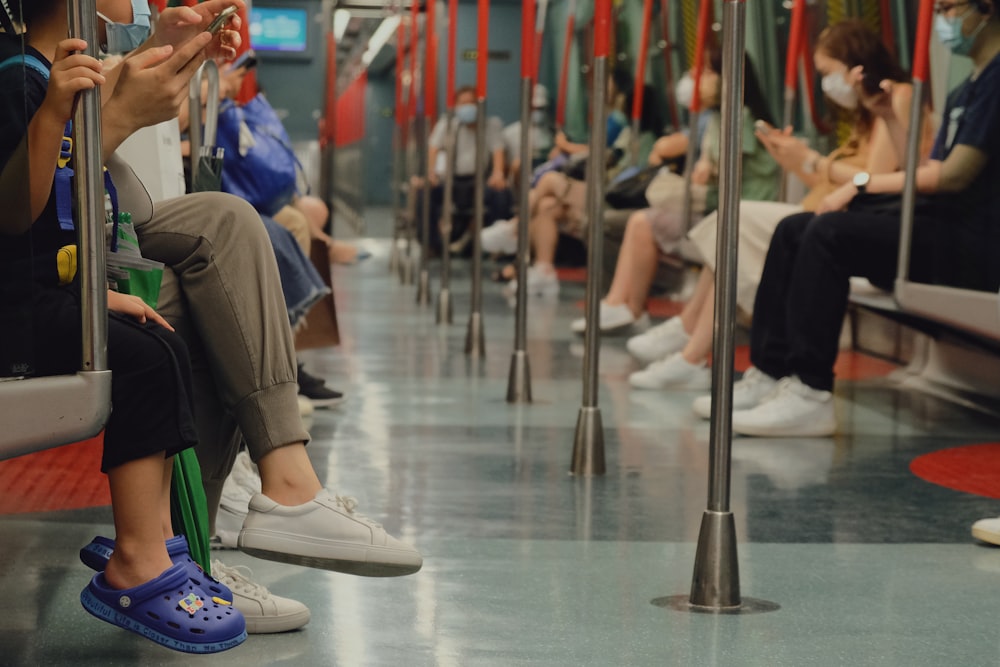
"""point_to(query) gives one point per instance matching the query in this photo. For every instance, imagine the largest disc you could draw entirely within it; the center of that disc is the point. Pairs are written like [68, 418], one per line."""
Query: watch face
[861, 179]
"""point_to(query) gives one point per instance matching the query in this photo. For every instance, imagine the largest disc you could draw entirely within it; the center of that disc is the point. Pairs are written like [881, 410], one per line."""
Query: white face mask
[835, 87]
[538, 116]
[684, 91]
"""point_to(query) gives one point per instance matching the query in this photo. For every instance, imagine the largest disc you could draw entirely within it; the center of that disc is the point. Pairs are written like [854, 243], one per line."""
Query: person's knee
[314, 209]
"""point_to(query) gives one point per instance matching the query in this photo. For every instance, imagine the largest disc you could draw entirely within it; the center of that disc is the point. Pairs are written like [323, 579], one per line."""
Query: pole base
[519, 379]
[394, 256]
[716, 581]
[444, 311]
[588, 444]
[424, 288]
[406, 269]
[683, 603]
[475, 339]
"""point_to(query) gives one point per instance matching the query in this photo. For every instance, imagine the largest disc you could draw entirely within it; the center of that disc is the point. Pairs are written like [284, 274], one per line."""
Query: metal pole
[519, 378]
[692, 151]
[397, 210]
[88, 190]
[410, 217]
[444, 307]
[588, 443]
[475, 338]
[910, 184]
[424, 281]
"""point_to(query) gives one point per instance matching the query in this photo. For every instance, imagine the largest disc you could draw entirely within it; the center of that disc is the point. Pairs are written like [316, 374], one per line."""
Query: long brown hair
[853, 43]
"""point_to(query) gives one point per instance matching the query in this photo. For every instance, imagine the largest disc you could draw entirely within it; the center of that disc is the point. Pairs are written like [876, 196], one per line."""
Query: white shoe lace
[349, 504]
[237, 578]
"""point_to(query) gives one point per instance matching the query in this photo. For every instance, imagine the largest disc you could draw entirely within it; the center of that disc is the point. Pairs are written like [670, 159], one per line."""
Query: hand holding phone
[221, 20]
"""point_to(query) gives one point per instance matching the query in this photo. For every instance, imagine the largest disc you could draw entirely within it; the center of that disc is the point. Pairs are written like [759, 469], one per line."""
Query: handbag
[259, 164]
[630, 192]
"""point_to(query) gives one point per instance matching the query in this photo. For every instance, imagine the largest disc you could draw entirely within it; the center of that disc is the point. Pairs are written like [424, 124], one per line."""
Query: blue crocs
[169, 610]
[96, 554]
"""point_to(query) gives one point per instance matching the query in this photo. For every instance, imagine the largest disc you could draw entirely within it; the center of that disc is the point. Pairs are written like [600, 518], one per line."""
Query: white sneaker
[747, 393]
[792, 409]
[500, 237]
[325, 533]
[242, 484]
[540, 284]
[674, 372]
[987, 530]
[305, 406]
[264, 613]
[659, 342]
[612, 318]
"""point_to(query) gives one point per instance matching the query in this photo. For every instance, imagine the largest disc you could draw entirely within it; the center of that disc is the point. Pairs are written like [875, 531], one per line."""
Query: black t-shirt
[971, 235]
[22, 91]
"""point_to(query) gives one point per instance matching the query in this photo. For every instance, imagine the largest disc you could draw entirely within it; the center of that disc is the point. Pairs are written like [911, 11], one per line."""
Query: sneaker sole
[346, 557]
[269, 625]
[805, 431]
[325, 402]
[988, 536]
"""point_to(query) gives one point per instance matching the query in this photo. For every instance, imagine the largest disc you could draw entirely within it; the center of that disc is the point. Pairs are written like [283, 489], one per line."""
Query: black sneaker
[317, 392]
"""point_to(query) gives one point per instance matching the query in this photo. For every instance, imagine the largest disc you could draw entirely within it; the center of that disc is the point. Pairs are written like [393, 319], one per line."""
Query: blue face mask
[466, 113]
[539, 117]
[125, 37]
[949, 31]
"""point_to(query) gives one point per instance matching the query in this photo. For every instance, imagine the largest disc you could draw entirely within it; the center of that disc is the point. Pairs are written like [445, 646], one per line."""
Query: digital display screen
[279, 29]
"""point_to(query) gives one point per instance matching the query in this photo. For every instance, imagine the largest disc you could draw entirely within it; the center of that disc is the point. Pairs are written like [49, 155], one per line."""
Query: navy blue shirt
[22, 91]
[971, 235]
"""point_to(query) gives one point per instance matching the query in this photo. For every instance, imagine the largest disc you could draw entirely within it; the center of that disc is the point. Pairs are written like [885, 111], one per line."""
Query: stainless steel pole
[910, 184]
[716, 582]
[588, 443]
[444, 307]
[692, 151]
[475, 338]
[406, 271]
[396, 187]
[519, 378]
[88, 186]
[424, 280]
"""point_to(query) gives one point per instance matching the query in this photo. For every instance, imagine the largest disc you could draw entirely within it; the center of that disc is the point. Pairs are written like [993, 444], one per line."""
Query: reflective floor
[526, 565]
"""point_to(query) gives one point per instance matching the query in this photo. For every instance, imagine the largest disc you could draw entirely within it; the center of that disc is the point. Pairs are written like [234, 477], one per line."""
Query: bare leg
[544, 231]
[636, 265]
[287, 476]
[137, 499]
[165, 520]
[702, 299]
[699, 346]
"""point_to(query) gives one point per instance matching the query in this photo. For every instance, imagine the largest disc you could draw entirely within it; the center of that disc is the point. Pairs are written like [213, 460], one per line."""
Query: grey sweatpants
[223, 295]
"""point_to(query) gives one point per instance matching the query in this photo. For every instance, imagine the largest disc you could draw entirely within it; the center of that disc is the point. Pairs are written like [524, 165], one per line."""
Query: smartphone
[221, 20]
[247, 59]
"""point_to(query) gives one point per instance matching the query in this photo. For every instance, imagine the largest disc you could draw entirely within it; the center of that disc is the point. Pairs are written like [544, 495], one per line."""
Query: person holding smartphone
[865, 87]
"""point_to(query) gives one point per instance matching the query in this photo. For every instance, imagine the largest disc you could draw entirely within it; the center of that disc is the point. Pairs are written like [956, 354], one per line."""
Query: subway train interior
[420, 383]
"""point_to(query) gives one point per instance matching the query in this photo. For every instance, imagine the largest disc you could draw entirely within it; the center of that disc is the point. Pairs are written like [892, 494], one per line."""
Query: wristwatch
[861, 180]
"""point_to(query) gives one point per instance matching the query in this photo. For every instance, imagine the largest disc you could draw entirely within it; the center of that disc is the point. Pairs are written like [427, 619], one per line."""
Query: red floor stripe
[971, 469]
[63, 478]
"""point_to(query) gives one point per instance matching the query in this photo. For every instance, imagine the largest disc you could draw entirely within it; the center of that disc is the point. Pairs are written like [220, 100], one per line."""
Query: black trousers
[498, 205]
[151, 408]
[802, 297]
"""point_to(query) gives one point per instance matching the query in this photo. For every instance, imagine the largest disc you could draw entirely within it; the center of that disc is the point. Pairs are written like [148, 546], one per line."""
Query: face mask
[538, 117]
[125, 37]
[684, 91]
[835, 87]
[466, 113]
[949, 31]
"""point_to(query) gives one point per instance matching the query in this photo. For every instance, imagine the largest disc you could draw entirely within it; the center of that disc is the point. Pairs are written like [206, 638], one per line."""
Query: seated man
[542, 134]
[497, 196]
[802, 297]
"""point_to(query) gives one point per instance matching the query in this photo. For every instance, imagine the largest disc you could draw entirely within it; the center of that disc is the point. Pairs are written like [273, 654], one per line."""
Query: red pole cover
[602, 27]
[449, 96]
[564, 72]
[527, 39]
[430, 62]
[640, 60]
[796, 31]
[482, 47]
[704, 23]
[330, 111]
[921, 65]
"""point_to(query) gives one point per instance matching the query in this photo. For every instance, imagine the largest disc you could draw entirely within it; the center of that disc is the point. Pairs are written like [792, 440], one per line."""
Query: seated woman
[652, 231]
[679, 348]
[148, 586]
[557, 202]
[803, 292]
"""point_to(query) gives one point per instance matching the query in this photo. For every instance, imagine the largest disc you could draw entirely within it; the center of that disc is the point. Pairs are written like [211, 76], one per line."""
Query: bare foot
[343, 253]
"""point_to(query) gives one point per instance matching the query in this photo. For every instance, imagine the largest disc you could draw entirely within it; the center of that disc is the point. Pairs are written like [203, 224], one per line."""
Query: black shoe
[317, 392]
